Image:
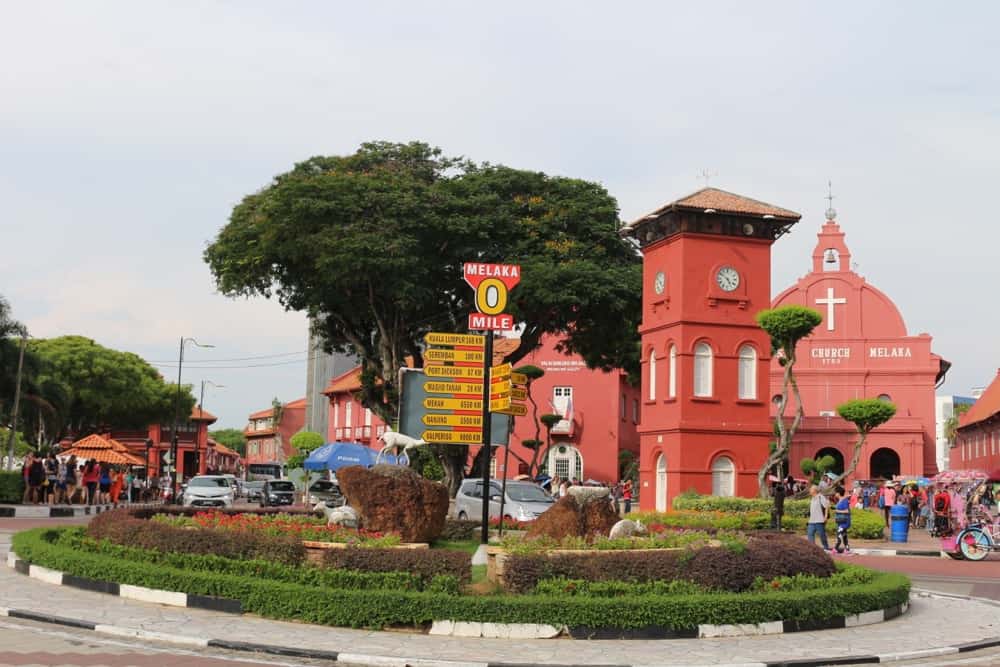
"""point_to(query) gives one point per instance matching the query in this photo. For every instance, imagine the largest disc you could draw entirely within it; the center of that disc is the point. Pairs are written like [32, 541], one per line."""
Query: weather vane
[831, 212]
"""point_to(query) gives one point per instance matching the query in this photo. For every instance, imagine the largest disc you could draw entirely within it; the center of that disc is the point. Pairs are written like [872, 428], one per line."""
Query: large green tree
[232, 438]
[372, 245]
[106, 388]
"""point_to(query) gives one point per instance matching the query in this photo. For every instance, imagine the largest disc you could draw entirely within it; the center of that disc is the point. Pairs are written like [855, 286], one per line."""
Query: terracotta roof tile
[202, 415]
[349, 381]
[267, 412]
[723, 202]
[985, 406]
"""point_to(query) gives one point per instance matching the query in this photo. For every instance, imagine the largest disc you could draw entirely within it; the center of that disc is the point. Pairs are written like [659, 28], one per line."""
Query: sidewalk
[921, 627]
[918, 543]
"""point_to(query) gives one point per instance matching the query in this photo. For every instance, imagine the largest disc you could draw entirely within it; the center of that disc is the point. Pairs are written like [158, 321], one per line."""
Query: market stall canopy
[959, 476]
[101, 449]
[336, 455]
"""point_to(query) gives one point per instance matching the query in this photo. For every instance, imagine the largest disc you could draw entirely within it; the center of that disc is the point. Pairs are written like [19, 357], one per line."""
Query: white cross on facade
[830, 302]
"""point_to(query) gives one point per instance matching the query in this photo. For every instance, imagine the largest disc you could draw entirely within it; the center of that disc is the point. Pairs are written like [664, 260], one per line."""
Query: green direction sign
[412, 410]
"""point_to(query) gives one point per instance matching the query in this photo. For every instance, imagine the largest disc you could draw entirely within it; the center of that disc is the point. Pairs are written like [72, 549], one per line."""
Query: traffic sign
[499, 404]
[459, 437]
[515, 409]
[453, 372]
[463, 388]
[467, 340]
[452, 420]
[480, 322]
[439, 356]
[500, 372]
[519, 394]
[453, 404]
[519, 378]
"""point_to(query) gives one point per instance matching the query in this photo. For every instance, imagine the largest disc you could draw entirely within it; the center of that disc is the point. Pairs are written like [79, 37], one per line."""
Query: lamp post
[201, 418]
[17, 401]
[175, 484]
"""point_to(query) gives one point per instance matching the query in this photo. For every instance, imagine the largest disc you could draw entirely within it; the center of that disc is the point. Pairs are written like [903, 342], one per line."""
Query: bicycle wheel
[975, 543]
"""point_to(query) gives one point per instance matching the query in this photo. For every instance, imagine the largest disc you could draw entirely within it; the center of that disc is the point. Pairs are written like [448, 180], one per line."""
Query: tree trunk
[855, 458]
[452, 459]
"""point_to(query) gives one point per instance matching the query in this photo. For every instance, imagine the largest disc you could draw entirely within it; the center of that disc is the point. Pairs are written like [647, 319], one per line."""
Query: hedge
[426, 563]
[381, 608]
[865, 524]
[75, 538]
[714, 568]
[11, 486]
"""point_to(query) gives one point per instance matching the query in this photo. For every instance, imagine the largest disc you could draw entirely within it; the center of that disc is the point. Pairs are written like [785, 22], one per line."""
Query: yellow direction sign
[519, 394]
[499, 404]
[501, 371]
[519, 378]
[453, 420]
[470, 388]
[436, 338]
[439, 356]
[466, 437]
[515, 409]
[452, 404]
[452, 372]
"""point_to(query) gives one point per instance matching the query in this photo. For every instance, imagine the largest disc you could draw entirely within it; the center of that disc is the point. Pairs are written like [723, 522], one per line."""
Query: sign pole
[487, 436]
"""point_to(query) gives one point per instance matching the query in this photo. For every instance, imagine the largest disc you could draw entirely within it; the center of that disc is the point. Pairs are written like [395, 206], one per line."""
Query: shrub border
[384, 608]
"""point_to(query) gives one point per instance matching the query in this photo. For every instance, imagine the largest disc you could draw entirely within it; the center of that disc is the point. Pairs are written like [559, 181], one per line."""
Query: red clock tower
[706, 273]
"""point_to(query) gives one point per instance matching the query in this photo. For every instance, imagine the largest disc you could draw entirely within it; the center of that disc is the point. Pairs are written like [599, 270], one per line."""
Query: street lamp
[177, 408]
[17, 401]
[201, 418]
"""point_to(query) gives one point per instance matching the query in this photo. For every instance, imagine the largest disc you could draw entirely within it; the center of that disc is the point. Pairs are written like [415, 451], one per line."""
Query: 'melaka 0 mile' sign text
[492, 283]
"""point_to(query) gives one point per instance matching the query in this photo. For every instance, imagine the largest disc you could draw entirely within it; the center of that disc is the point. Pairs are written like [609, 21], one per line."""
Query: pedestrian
[842, 517]
[36, 480]
[819, 505]
[627, 495]
[563, 488]
[116, 486]
[942, 513]
[616, 496]
[71, 479]
[886, 499]
[51, 477]
[104, 482]
[25, 470]
[91, 479]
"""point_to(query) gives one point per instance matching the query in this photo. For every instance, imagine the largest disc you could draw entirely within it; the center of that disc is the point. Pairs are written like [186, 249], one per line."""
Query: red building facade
[348, 420]
[268, 439]
[706, 273]
[860, 350]
[977, 440]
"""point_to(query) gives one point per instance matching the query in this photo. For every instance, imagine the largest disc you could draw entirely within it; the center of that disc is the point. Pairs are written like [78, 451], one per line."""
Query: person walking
[91, 478]
[104, 482]
[117, 479]
[51, 477]
[627, 495]
[887, 498]
[71, 479]
[36, 479]
[819, 506]
[842, 517]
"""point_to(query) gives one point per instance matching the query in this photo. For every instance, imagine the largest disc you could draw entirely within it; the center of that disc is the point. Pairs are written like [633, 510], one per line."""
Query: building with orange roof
[348, 420]
[269, 432]
[977, 439]
[153, 443]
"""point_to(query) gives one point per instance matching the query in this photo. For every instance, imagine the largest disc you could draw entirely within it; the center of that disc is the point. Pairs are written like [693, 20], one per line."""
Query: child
[842, 516]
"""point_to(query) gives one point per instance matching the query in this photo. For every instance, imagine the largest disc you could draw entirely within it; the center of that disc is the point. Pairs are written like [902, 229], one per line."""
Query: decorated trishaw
[969, 527]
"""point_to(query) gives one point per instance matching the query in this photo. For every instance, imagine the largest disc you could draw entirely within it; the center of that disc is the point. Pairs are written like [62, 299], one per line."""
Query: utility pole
[17, 402]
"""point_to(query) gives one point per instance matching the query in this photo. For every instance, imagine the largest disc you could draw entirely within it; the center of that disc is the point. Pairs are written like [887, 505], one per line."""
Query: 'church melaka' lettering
[830, 355]
[889, 353]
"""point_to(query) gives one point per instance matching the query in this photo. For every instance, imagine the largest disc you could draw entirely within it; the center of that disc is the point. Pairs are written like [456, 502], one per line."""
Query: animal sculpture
[395, 443]
[344, 516]
[627, 528]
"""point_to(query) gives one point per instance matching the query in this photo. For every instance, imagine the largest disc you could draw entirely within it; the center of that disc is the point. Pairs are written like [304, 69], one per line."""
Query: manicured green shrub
[865, 524]
[793, 508]
[174, 510]
[426, 563]
[75, 538]
[608, 589]
[119, 527]
[11, 486]
[766, 556]
[381, 608]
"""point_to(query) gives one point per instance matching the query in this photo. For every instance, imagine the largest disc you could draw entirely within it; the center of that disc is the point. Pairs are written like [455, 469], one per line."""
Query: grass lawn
[468, 546]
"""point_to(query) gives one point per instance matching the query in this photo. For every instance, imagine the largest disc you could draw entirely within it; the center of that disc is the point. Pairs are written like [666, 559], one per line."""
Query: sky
[129, 130]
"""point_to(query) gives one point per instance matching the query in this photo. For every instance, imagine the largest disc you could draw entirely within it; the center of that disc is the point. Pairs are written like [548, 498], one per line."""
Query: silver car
[208, 491]
[524, 502]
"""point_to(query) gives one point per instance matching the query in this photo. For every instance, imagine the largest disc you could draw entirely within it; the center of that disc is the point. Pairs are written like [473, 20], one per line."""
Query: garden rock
[578, 514]
[626, 528]
[395, 499]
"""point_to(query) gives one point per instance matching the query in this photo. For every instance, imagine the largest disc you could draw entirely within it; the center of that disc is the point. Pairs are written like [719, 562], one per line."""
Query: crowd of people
[622, 493]
[50, 480]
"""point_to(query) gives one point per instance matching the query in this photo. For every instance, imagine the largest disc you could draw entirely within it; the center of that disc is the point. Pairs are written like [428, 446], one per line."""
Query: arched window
[702, 370]
[748, 373]
[566, 462]
[661, 483]
[723, 477]
[672, 372]
[652, 375]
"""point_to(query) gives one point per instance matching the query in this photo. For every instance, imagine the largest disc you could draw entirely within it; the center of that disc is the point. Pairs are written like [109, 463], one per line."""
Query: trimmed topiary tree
[866, 414]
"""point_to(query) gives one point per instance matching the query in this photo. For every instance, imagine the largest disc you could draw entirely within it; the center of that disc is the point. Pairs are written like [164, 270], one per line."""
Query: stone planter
[315, 550]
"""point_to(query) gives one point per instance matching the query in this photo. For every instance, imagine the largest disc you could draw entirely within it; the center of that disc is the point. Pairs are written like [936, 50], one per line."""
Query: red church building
[860, 350]
[706, 273]
[977, 440]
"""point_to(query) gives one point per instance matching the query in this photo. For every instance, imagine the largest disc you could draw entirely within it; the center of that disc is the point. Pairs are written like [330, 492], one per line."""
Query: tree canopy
[105, 387]
[372, 245]
[303, 442]
[232, 438]
[866, 414]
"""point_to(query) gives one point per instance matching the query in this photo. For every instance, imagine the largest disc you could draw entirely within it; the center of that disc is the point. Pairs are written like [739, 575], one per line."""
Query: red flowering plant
[299, 526]
[509, 524]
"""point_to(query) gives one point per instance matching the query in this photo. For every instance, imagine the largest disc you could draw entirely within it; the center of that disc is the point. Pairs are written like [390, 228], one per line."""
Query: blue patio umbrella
[337, 455]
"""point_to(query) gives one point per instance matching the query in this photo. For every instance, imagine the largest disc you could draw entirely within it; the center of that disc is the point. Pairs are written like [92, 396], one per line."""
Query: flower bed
[352, 599]
[302, 527]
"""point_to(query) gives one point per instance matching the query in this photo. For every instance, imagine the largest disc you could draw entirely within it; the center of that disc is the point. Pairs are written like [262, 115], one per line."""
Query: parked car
[324, 490]
[525, 501]
[208, 491]
[236, 483]
[252, 489]
[277, 492]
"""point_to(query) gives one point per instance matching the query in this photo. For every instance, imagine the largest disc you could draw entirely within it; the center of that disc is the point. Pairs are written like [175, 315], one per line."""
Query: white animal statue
[395, 443]
[627, 528]
[339, 516]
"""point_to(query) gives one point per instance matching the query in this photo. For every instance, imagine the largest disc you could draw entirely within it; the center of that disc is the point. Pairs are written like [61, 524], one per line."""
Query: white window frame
[723, 477]
[336, 414]
[703, 366]
[747, 373]
[575, 463]
[652, 375]
[672, 373]
[349, 414]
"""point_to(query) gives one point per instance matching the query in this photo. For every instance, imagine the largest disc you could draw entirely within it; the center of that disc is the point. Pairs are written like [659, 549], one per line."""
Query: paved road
[979, 579]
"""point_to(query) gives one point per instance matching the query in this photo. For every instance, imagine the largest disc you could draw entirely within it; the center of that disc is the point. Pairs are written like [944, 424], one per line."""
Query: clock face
[727, 278]
[660, 283]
